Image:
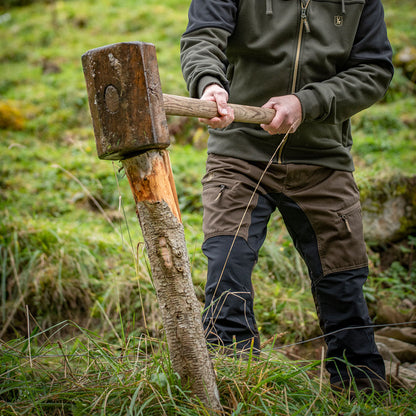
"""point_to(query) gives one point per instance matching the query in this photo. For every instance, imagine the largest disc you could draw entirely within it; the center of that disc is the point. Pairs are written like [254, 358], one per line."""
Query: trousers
[321, 211]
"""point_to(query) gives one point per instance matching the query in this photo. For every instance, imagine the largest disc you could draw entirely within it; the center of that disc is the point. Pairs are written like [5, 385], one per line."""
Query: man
[316, 63]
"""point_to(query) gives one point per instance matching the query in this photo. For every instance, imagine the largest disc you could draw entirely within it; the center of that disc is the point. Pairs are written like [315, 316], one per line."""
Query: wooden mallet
[127, 105]
[128, 113]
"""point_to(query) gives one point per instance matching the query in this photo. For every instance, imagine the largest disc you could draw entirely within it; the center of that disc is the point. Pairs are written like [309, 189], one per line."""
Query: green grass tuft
[71, 249]
[88, 375]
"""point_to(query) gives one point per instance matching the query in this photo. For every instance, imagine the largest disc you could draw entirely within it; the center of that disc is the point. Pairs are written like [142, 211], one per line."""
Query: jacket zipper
[303, 24]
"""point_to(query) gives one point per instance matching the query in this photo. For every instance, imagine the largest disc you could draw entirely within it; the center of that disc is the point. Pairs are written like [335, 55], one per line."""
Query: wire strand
[241, 223]
[345, 329]
[280, 347]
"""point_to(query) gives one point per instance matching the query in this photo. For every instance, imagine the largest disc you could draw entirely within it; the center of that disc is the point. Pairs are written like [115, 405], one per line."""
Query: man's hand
[214, 92]
[288, 114]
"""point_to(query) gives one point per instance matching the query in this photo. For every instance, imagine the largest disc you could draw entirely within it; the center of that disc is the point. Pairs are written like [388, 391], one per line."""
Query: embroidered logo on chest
[338, 20]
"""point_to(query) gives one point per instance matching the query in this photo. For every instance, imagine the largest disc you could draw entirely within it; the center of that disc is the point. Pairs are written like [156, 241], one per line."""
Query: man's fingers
[288, 115]
[276, 125]
[222, 109]
[269, 104]
[225, 113]
[219, 122]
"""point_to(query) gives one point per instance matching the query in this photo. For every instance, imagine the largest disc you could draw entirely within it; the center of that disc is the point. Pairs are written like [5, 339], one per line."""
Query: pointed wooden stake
[130, 124]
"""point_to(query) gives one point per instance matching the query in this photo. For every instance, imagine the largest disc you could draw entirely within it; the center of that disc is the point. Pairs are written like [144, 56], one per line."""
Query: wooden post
[130, 124]
[151, 181]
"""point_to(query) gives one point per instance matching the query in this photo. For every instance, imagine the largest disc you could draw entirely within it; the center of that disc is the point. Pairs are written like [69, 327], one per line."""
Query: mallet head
[125, 99]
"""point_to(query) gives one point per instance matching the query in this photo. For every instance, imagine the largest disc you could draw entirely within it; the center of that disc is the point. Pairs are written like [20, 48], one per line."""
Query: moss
[385, 186]
[11, 118]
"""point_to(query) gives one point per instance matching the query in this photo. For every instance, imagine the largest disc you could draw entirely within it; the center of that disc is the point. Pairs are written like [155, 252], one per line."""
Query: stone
[389, 315]
[405, 334]
[388, 209]
[399, 376]
[386, 353]
[404, 351]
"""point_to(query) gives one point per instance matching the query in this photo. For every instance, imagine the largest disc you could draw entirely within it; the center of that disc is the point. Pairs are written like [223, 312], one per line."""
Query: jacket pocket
[340, 2]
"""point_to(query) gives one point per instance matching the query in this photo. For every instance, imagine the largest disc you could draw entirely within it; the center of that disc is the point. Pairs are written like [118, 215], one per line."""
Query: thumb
[269, 104]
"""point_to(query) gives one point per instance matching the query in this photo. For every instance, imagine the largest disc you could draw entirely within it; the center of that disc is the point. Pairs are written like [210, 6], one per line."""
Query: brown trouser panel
[329, 199]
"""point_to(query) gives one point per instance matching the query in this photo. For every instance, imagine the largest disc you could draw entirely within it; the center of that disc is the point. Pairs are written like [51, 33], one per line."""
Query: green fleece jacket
[334, 55]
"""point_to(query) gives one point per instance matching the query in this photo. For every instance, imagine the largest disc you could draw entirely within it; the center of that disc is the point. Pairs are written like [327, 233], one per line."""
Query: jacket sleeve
[203, 45]
[362, 81]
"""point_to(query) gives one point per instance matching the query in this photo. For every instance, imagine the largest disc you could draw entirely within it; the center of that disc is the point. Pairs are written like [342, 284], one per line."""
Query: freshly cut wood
[151, 179]
[151, 182]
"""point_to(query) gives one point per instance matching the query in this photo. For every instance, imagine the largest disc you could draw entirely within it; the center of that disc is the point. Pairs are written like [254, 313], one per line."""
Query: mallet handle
[192, 107]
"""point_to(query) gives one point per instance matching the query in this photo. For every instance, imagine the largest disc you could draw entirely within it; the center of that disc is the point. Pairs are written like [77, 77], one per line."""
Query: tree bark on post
[151, 181]
[126, 105]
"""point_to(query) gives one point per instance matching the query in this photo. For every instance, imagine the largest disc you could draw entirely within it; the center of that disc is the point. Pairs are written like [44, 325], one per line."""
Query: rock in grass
[406, 334]
[404, 351]
[389, 209]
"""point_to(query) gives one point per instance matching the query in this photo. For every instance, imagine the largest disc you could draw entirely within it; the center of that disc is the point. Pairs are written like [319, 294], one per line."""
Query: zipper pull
[222, 187]
[347, 224]
[304, 18]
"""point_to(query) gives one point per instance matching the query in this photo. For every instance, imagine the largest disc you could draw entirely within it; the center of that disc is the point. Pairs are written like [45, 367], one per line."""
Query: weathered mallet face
[125, 99]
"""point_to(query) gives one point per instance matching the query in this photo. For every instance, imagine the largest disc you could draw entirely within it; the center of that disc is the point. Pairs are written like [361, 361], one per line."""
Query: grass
[87, 375]
[72, 260]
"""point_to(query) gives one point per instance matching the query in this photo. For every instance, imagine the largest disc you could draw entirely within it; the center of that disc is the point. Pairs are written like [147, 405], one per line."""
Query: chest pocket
[269, 6]
[342, 5]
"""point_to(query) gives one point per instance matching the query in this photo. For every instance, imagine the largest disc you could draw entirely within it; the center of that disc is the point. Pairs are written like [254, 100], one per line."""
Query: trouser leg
[340, 303]
[344, 318]
[228, 316]
[229, 294]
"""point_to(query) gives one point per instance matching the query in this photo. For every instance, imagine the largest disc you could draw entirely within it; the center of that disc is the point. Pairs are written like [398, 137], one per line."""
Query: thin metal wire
[280, 347]
[345, 329]
[213, 320]
[241, 223]
[31, 356]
